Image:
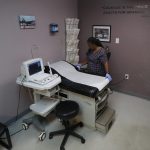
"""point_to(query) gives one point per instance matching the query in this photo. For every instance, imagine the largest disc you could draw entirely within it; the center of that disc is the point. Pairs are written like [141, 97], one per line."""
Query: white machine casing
[44, 87]
[25, 70]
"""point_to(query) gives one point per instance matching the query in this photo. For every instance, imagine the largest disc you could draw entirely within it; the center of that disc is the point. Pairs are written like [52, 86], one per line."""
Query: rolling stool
[65, 111]
[4, 130]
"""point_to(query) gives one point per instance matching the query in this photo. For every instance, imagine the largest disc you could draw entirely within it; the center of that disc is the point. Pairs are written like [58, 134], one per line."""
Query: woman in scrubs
[96, 59]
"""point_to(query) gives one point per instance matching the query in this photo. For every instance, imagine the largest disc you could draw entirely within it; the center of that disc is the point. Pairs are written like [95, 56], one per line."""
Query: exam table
[90, 91]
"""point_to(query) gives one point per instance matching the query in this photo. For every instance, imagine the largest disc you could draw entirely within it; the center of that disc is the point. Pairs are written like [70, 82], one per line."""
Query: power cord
[18, 105]
[117, 83]
[32, 53]
[19, 99]
[13, 134]
[110, 89]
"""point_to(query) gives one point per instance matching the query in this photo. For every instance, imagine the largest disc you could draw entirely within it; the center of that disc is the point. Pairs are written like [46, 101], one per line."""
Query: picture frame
[102, 32]
[27, 22]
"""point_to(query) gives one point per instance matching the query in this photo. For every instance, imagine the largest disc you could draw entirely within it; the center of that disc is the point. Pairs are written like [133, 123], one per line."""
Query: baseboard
[9, 122]
[132, 94]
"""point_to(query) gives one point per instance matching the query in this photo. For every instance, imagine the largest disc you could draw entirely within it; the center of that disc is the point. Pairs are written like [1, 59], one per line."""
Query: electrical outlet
[127, 76]
[117, 40]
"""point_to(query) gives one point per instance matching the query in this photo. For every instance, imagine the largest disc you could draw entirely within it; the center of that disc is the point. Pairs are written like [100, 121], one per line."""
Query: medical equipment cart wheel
[25, 126]
[42, 136]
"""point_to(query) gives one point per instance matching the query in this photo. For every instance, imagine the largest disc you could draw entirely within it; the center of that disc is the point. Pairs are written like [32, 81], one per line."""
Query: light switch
[117, 40]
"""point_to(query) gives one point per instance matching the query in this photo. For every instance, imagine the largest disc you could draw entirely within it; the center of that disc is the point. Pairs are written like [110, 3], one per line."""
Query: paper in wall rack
[72, 41]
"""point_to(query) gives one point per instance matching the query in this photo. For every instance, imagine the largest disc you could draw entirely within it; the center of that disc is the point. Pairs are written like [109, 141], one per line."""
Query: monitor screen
[34, 68]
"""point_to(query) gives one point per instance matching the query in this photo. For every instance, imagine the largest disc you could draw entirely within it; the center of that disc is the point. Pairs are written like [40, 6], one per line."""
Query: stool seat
[67, 110]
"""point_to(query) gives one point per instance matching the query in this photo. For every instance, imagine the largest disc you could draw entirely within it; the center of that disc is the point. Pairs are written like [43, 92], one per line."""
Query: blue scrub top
[96, 61]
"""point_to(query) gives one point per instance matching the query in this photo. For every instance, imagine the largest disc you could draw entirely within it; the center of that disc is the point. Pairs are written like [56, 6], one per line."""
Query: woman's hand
[78, 66]
[108, 76]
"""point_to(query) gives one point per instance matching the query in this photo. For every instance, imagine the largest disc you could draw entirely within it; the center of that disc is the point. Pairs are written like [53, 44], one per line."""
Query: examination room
[75, 75]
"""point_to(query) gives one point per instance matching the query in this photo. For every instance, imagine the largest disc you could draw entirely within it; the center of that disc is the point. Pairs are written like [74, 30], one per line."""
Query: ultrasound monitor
[34, 68]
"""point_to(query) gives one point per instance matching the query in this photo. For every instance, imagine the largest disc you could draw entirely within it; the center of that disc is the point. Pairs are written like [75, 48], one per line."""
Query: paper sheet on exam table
[68, 71]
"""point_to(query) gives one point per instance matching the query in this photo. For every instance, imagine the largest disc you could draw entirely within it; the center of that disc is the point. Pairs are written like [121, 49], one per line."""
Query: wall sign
[125, 9]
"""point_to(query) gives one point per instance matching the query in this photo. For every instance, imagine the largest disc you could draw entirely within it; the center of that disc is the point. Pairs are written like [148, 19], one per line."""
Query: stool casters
[83, 141]
[50, 136]
[42, 136]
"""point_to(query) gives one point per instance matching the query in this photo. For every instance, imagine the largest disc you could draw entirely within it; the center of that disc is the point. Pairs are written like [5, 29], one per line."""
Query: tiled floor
[131, 130]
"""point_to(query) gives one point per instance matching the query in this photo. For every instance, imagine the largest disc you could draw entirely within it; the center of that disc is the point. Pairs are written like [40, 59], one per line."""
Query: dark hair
[95, 41]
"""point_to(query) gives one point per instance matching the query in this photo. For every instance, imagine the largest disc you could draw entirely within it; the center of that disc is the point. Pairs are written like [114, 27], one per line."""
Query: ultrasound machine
[33, 71]
[44, 86]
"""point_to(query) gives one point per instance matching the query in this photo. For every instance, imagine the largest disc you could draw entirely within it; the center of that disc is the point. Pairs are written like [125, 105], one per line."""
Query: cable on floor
[19, 99]
[13, 134]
